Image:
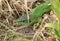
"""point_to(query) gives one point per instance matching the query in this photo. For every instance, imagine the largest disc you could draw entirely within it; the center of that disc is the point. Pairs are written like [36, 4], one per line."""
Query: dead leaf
[51, 39]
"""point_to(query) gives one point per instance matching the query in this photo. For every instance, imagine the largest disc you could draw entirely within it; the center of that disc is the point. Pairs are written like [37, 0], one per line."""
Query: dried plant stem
[25, 1]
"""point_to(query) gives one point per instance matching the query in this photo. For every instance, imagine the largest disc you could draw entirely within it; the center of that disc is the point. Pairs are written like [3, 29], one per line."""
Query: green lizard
[36, 14]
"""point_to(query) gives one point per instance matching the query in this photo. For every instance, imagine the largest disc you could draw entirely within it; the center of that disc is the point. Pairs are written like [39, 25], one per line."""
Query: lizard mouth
[22, 22]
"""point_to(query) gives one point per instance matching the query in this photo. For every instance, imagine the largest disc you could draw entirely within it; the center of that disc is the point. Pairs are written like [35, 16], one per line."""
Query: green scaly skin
[36, 14]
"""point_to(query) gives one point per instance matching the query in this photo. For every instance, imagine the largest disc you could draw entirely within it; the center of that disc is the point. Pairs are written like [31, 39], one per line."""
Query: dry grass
[10, 30]
[10, 10]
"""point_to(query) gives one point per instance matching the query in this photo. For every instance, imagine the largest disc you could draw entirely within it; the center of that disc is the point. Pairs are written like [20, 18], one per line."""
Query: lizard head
[22, 20]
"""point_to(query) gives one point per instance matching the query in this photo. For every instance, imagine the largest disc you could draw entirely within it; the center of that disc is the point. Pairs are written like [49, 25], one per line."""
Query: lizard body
[36, 14]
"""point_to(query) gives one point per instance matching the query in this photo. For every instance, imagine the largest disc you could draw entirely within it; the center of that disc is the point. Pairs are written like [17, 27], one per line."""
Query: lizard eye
[23, 20]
